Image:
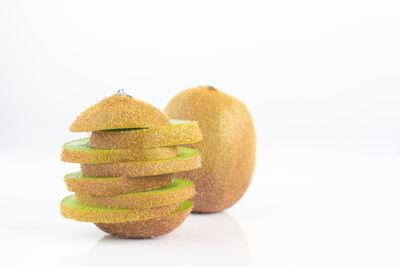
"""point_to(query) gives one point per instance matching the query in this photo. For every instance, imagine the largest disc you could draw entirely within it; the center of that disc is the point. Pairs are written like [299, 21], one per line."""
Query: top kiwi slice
[172, 122]
[119, 112]
[179, 132]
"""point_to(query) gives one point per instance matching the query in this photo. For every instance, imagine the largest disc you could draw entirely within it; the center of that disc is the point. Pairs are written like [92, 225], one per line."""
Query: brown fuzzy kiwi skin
[228, 147]
[117, 185]
[117, 155]
[116, 216]
[141, 168]
[163, 136]
[138, 201]
[146, 229]
[119, 112]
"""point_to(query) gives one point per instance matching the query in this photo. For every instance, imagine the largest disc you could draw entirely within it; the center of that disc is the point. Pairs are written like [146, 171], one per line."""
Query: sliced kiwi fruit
[72, 209]
[79, 151]
[177, 191]
[149, 228]
[127, 185]
[119, 112]
[187, 159]
[107, 186]
[178, 133]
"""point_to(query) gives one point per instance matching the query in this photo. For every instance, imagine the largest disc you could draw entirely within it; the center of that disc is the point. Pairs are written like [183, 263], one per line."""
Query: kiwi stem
[122, 92]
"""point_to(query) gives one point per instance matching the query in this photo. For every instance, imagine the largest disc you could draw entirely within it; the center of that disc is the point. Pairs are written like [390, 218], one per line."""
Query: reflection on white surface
[202, 240]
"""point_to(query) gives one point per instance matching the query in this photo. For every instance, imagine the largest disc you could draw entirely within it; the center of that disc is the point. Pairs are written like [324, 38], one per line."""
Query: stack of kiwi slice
[127, 184]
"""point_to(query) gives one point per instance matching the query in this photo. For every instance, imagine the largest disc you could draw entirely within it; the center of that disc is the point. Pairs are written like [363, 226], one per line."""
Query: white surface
[320, 79]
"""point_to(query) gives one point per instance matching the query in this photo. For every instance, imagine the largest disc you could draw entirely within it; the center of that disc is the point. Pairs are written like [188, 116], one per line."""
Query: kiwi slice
[72, 209]
[178, 133]
[79, 151]
[77, 182]
[177, 191]
[119, 112]
[149, 228]
[187, 159]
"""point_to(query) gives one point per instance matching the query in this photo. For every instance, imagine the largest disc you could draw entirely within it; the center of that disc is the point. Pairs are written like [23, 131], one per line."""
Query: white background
[321, 79]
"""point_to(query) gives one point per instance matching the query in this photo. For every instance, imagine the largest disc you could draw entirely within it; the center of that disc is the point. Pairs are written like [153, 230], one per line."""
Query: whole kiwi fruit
[228, 148]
